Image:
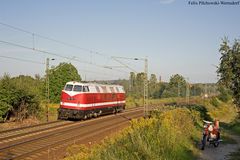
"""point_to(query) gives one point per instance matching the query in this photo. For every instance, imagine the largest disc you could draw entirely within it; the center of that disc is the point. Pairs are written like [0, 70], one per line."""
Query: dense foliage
[19, 97]
[229, 68]
[58, 77]
[176, 87]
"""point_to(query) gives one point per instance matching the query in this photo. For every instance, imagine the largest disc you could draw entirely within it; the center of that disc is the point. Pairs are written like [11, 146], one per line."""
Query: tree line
[176, 87]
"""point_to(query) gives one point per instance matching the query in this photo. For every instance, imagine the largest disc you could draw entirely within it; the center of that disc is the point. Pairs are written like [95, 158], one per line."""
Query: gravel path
[221, 152]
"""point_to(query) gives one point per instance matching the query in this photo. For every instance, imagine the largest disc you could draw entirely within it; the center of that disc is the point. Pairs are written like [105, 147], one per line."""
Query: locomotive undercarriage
[64, 113]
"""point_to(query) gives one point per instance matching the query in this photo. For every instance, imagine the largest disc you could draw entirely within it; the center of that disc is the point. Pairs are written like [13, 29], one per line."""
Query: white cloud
[166, 1]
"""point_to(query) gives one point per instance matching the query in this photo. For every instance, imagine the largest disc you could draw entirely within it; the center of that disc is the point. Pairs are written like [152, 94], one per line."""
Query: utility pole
[47, 89]
[187, 92]
[145, 87]
[205, 91]
[178, 89]
[145, 96]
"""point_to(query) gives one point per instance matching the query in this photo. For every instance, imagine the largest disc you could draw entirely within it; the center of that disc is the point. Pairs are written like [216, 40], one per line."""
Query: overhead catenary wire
[20, 59]
[34, 35]
[41, 63]
[51, 39]
[54, 54]
[93, 72]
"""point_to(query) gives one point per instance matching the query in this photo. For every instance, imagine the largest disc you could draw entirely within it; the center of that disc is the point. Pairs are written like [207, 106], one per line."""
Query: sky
[176, 36]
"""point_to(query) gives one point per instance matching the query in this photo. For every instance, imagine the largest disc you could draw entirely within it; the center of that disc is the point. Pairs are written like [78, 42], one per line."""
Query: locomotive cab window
[85, 89]
[68, 87]
[77, 88]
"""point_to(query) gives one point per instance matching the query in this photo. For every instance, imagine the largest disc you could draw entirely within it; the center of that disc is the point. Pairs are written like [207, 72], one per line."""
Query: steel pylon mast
[47, 89]
[145, 95]
[145, 85]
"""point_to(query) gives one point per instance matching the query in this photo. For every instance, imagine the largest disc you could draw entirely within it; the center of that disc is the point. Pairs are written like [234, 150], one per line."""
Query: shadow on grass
[233, 127]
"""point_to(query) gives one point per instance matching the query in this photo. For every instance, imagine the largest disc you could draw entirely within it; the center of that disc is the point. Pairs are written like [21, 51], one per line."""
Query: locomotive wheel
[85, 117]
[115, 111]
[95, 115]
[90, 115]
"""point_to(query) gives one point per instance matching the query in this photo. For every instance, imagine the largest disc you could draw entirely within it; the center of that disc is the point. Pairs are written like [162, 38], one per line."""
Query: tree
[152, 85]
[229, 68]
[196, 90]
[159, 90]
[176, 86]
[224, 93]
[132, 81]
[58, 77]
[139, 85]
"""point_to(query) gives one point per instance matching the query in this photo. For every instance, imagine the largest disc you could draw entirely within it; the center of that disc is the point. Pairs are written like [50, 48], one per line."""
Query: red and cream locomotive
[86, 100]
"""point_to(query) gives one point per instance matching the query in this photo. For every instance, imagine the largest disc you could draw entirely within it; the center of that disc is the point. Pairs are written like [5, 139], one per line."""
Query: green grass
[225, 136]
[235, 127]
[224, 112]
[52, 112]
[132, 102]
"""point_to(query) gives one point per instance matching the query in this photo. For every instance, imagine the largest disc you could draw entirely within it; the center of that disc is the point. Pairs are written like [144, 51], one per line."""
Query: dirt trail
[221, 152]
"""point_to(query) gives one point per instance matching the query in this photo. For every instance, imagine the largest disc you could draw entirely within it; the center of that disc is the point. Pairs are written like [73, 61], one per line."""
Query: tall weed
[167, 135]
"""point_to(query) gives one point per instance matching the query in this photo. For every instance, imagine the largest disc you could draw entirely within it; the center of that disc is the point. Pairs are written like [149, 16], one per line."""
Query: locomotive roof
[92, 84]
[98, 88]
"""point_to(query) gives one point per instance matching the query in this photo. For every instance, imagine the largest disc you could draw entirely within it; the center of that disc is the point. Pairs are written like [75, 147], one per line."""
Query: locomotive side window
[97, 88]
[85, 89]
[104, 88]
[77, 88]
[112, 89]
[68, 87]
[117, 89]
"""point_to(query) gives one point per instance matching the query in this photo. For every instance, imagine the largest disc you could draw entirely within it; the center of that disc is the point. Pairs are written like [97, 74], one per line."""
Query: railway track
[17, 132]
[32, 143]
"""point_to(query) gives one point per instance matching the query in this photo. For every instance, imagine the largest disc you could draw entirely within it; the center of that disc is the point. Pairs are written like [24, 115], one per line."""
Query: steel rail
[68, 131]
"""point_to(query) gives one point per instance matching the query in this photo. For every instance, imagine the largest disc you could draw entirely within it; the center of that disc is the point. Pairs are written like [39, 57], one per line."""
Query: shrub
[20, 97]
[215, 102]
[4, 108]
[166, 135]
[224, 94]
